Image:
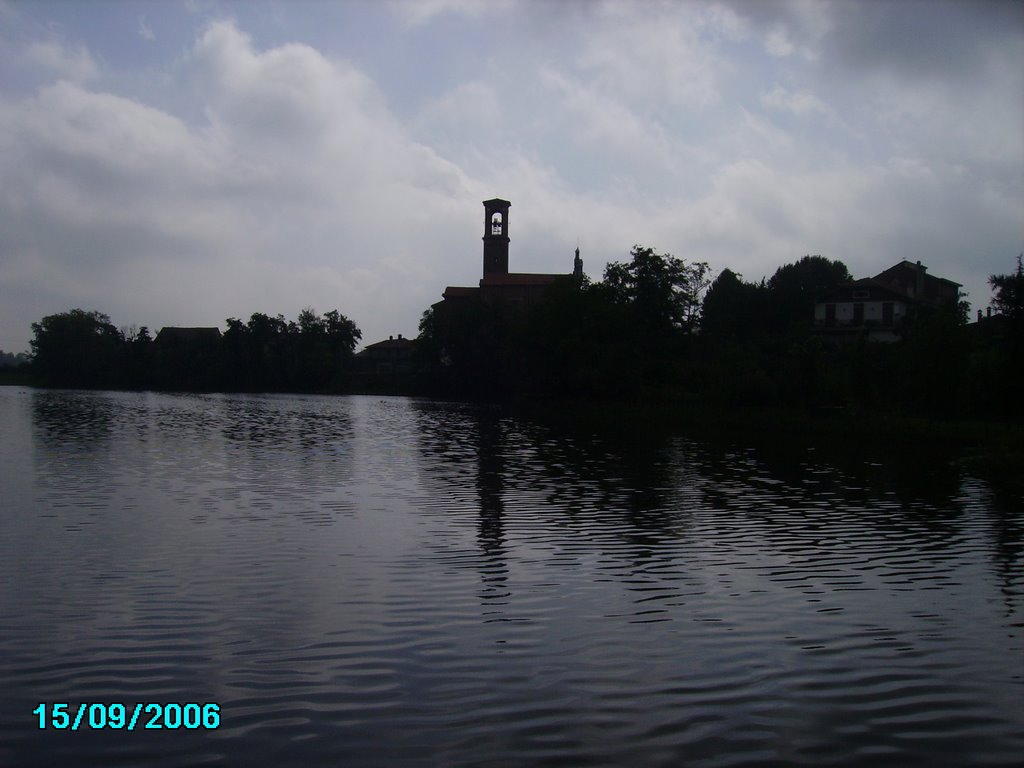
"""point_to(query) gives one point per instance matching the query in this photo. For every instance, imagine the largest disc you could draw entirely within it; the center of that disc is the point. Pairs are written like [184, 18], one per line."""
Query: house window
[830, 314]
[858, 314]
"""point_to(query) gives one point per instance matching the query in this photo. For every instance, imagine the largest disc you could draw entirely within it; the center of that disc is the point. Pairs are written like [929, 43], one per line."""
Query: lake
[358, 581]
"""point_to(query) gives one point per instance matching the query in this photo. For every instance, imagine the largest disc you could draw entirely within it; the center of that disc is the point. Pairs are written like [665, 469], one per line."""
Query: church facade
[498, 285]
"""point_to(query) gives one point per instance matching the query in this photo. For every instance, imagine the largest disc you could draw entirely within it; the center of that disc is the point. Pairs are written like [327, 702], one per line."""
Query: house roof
[907, 281]
[876, 292]
[459, 292]
[172, 333]
[398, 343]
[519, 278]
[912, 280]
[393, 346]
[906, 264]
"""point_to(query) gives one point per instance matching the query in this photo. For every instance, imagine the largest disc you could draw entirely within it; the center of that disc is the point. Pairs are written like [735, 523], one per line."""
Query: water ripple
[367, 581]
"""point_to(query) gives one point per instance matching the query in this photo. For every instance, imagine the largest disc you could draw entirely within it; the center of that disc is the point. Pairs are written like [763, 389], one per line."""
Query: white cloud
[800, 103]
[651, 58]
[472, 107]
[777, 42]
[145, 31]
[302, 190]
[418, 12]
[261, 176]
[606, 124]
[75, 64]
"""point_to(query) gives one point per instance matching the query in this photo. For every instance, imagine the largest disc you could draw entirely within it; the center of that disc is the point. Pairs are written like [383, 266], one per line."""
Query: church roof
[519, 278]
[177, 334]
[458, 292]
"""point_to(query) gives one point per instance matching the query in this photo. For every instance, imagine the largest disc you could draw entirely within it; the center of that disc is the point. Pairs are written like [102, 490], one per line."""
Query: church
[498, 284]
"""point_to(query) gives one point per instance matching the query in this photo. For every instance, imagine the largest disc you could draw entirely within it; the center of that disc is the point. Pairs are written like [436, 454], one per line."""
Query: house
[515, 289]
[188, 359]
[389, 356]
[174, 336]
[880, 307]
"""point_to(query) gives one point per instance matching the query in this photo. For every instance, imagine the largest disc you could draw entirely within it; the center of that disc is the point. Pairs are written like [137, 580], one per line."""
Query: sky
[180, 163]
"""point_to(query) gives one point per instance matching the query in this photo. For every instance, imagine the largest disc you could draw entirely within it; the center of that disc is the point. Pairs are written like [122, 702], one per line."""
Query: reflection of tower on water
[491, 529]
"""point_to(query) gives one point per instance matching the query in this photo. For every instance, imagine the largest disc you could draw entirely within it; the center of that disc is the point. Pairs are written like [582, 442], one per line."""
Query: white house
[878, 307]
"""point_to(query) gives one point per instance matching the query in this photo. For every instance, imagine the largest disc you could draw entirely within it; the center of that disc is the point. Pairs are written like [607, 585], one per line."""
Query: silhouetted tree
[663, 291]
[661, 296]
[326, 344]
[574, 343]
[732, 307]
[77, 349]
[341, 331]
[11, 360]
[793, 289]
[273, 354]
[138, 358]
[1008, 298]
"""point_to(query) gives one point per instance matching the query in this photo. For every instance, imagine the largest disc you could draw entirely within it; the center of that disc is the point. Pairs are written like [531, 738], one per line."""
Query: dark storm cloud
[922, 39]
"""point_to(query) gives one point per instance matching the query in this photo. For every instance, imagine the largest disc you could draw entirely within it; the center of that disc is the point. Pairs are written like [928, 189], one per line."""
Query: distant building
[188, 359]
[389, 356]
[497, 283]
[879, 307]
[174, 336]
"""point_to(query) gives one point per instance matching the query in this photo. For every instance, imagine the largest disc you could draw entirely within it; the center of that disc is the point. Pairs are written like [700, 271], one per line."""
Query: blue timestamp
[62, 716]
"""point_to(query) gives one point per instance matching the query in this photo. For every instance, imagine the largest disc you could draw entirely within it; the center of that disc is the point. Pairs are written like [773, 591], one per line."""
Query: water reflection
[368, 581]
[82, 418]
[490, 486]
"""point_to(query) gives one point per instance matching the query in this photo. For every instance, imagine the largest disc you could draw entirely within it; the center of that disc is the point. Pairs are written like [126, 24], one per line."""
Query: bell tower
[496, 237]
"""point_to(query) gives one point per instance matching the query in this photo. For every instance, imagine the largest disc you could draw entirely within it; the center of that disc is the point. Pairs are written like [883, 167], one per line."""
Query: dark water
[362, 582]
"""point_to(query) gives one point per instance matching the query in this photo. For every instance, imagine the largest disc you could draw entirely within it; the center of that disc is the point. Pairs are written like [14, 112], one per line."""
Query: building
[497, 283]
[389, 356]
[171, 335]
[880, 307]
[188, 359]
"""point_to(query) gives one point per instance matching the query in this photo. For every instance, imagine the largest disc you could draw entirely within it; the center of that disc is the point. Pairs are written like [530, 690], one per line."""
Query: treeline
[645, 333]
[266, 354]
[655, 328]
[758, 348]
[11, 360]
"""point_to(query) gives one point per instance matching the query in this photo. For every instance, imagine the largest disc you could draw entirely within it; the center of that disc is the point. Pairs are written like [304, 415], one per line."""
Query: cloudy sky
[179, 163]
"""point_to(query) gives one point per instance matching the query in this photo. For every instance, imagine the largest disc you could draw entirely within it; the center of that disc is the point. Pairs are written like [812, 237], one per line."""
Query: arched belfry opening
[496, 237]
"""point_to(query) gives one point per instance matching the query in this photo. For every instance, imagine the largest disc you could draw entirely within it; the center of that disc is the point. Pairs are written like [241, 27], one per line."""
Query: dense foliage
[266, 354]
[1008, 292]
[780, 306]
[758, 348]
[11, 360]
[77, 349]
